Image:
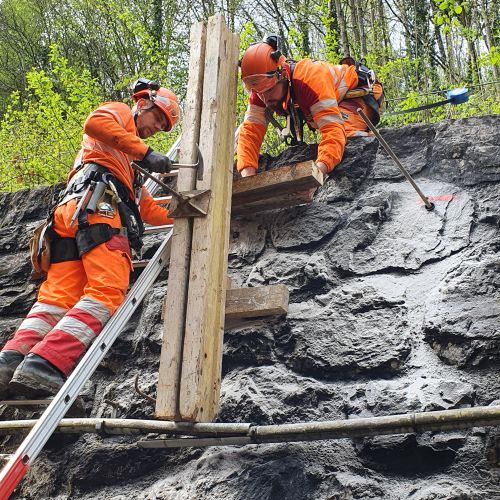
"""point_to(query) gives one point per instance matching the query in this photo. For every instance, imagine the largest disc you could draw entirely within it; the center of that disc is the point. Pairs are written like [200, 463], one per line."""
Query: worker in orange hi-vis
[305, 91]
[97, 219]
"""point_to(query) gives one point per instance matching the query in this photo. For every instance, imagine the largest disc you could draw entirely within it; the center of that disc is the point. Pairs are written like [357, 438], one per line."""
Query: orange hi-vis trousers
[77, 298]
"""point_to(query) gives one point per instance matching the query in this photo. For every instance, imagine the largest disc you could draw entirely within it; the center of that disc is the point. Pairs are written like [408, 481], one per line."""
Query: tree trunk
[384, 30]
[343, 30]
[355, 28]
[361, 24]
[488, 37]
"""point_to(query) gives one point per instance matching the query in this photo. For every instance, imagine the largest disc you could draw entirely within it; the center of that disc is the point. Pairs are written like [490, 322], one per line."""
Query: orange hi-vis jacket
[318, 86]
[110, 139]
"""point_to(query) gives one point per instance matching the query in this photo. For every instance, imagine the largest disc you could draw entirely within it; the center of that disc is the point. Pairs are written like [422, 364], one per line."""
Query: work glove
[155, 162]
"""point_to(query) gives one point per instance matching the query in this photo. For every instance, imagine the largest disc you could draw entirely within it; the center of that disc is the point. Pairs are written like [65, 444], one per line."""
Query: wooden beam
[256, 301]
[167, 399]
[253, 302]
[273, 203]
[202, 354]
[276, 183]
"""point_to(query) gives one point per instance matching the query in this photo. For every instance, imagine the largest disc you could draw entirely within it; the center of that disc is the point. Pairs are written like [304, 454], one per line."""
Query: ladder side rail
[29, 449]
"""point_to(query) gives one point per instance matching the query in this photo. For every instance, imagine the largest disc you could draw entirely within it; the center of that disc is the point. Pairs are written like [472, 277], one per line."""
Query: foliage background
[60, 60]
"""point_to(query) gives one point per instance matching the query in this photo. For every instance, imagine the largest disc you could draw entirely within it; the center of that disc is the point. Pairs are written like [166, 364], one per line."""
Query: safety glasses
[260, 83]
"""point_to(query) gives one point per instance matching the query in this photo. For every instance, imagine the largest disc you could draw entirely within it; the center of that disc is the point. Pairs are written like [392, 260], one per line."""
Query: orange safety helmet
[162, 97]
[261, 65]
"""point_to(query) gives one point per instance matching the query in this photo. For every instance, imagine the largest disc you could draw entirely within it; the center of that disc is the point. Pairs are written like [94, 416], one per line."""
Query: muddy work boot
[9, 360]
[36, 377]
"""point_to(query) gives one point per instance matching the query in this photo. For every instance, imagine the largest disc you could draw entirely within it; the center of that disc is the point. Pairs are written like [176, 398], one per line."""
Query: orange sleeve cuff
[249, 142]
[151, 212]
[332, 144]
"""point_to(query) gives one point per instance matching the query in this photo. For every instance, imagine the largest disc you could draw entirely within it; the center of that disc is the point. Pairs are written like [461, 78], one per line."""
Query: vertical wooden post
[167, 402]
[204, 327]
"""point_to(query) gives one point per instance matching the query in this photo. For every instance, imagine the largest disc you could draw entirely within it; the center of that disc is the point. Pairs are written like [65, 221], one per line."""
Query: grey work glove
[155, 162]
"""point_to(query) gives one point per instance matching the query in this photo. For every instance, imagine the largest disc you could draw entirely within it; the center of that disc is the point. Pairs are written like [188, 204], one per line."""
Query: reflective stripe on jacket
[318, 87]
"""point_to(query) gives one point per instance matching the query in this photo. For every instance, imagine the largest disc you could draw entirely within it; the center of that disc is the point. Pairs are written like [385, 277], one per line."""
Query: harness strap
[63, 249]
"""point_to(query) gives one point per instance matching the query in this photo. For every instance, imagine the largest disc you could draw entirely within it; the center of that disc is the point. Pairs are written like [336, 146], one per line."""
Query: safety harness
[95, 188]
[293, 133]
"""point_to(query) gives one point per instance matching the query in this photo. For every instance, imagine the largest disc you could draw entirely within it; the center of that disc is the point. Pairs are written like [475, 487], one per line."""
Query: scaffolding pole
[221, 434]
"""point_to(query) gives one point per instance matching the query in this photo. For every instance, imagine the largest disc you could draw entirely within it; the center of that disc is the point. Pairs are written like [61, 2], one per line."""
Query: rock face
[393, 310]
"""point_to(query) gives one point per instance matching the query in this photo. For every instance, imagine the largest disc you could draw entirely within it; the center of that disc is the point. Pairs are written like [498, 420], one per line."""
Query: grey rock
[247, 239]
[303, 274]
[272, 395]
[304, 225]
[422, 394]
[462, 315]
[467, 151]
[393, 309]
[358, 332]
[398, 233]
[411, 145]
[349, 176]
[446, 490]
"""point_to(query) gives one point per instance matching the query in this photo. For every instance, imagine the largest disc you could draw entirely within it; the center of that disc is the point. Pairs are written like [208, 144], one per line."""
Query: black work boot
[9, 359]
[36, 377]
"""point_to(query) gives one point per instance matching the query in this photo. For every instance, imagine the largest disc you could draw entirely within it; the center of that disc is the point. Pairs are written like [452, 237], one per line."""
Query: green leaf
[458, 9]
[443, 5]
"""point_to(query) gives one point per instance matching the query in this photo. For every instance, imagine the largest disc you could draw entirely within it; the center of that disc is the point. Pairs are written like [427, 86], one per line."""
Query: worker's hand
[248, 172]
[155, 162]
[322, 166]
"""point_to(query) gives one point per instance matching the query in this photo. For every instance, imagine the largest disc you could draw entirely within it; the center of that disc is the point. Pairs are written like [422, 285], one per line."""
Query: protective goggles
[260, 83]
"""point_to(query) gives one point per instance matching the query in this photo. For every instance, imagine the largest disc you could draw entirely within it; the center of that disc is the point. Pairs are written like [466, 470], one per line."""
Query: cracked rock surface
[393, 310]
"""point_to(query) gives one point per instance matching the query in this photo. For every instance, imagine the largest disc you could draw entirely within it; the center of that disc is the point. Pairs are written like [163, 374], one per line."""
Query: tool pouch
[133, 225]
[88, 237]
[39, 246]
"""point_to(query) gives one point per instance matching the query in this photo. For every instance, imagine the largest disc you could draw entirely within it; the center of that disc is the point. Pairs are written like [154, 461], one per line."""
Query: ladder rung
[172, 173]
[139, 264]
[26, 402]
[163, 199]
[157, 229]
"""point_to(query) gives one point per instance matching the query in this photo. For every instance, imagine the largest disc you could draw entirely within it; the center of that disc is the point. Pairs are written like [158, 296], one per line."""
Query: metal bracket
[190, 204]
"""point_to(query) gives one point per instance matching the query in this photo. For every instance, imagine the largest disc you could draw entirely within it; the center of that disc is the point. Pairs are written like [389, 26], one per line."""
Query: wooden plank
[253, 302]
[284, 201]
[278, 182]
[256, 301]
[167, 399]
[202, 354]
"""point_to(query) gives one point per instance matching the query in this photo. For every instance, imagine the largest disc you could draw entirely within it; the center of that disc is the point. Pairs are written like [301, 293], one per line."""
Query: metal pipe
[374, 426]
[428, 205]
[114, 426]
[217, 434]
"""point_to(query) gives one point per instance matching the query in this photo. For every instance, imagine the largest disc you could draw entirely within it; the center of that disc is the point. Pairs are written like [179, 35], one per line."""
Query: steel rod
[428, 205]
[144, 172]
